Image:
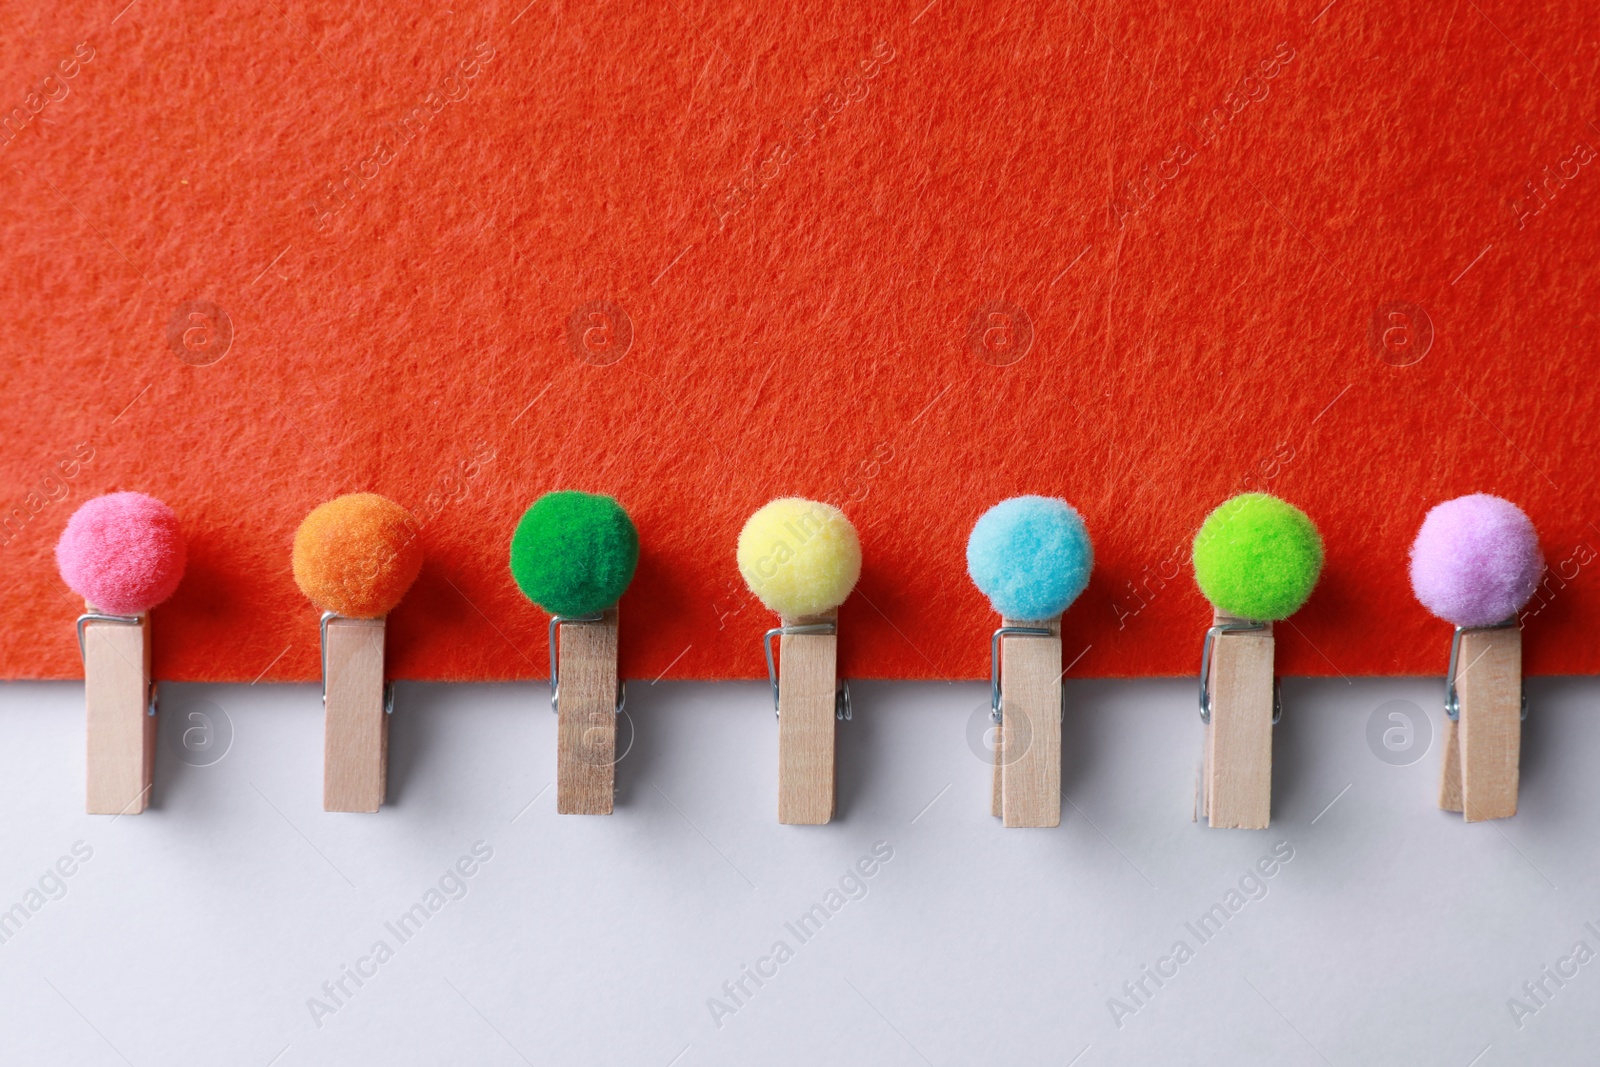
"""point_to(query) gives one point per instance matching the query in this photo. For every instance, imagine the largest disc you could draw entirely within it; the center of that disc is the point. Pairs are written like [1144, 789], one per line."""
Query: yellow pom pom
[801, 557]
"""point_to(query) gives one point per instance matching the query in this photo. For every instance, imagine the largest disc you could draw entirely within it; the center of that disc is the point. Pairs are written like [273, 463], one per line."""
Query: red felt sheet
[908, 258]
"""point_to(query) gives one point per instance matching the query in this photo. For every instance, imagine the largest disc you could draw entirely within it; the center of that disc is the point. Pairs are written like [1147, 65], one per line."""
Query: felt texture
[906, 260]
[1257, 557]
[357, 555]
[800, 557]
[574, 553]
[122, 552]
[1476, 560]
[1031, 556]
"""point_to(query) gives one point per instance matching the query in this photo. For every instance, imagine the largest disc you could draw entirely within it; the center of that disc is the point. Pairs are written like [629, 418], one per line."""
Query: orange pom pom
[357, 555]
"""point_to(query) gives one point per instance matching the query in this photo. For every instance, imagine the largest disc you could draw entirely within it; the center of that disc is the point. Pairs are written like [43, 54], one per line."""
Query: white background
[198, 931]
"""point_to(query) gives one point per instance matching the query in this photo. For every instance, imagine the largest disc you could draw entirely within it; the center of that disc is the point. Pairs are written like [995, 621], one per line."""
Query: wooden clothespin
[355, 556]
[1484, 706]
[356, 705]
[1475, 563]
[573, 554]
[1256, 558]
[802, 558]
[1239, 703]
[120, 698]
[809, 701]
[587, 697]
[1031, 556]
[1026, 701]
[123, 553]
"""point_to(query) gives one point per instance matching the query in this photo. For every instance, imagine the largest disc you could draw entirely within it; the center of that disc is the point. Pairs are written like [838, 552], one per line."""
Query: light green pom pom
[1257, 557]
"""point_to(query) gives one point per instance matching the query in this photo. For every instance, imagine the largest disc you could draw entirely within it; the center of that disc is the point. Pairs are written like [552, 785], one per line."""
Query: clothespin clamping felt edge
[1031, 556]
[354, 557]
[801, 558]
[573, 554]
[1475, 564]
[123, 553]
[1256, 558]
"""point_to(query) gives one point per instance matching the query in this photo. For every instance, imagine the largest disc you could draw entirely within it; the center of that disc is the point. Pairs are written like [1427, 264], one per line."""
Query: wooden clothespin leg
[587, 703]
[1483, 745]
[121, 726]
[355, 758]
[1238, 752]
[1030, 701]
[807, 702]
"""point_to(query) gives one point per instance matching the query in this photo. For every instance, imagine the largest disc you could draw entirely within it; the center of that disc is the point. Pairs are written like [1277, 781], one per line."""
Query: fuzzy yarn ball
[357, 554]
[1031, 556]
[574, 553]
[1476, 560]
[1257, 557]
[123, 553]
[800, 557]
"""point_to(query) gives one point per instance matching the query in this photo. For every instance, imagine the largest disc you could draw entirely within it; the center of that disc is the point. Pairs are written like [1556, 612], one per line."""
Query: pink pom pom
[123, 552]
[1476, 560]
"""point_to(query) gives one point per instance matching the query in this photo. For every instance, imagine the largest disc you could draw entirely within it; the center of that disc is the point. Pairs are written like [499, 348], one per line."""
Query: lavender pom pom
[1476, 560]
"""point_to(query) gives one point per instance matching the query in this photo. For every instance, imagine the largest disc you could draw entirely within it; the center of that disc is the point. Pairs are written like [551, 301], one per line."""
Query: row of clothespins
[1475, 563]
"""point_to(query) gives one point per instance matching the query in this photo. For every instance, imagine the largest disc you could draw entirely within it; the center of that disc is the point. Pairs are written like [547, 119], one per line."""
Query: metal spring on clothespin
[322, 628]
[1205, 669]
[128, 620]
[996, 714]
[1452, 699]
[841, 697]
[555, 668]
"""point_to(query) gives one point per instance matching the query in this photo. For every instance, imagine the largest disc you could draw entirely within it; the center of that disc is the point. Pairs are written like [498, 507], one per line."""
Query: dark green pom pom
[574, 553]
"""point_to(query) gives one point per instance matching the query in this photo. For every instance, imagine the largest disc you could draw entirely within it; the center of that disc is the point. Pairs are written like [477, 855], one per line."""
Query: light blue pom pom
[1030, 556]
